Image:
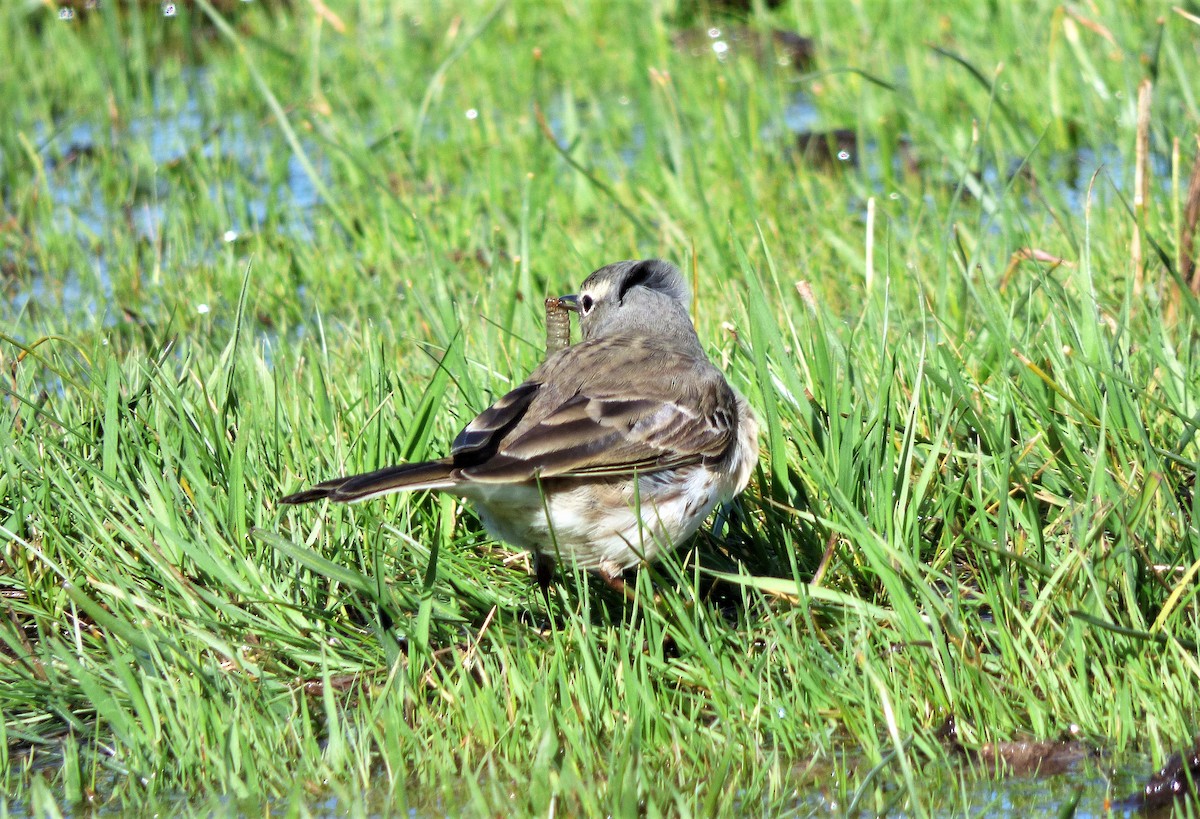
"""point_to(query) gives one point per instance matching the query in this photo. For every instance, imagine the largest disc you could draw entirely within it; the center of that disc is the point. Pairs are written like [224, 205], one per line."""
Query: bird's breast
[607, 525]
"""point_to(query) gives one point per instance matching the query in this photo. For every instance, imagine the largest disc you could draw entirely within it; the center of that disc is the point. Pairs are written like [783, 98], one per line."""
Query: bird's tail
[355, 488]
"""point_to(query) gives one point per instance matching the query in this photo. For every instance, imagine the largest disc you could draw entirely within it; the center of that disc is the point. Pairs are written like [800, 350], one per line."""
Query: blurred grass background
[245, 246]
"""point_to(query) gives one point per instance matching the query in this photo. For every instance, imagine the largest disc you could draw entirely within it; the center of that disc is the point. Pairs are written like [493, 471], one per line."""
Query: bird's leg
[615, 580]
[544, 567]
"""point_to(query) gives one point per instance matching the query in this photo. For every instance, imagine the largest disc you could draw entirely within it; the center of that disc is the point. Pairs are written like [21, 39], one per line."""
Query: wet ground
[176, 133]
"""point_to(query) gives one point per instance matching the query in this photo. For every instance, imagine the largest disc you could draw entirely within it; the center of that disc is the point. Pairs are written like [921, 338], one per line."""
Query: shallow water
[173, 134]
[180, 129]
[1097, 786]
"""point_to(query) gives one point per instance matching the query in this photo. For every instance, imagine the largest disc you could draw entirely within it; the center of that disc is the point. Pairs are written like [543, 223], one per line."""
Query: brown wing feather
[590, 426]
[480, 438]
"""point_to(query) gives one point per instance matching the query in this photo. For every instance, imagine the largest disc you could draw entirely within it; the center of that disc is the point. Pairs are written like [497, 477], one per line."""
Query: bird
[614, 450]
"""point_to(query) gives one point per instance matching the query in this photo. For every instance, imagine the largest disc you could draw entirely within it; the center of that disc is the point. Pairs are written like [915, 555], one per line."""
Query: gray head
[642, 296]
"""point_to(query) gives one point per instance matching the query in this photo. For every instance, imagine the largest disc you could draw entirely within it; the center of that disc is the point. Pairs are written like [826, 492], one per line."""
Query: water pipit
[613, 450]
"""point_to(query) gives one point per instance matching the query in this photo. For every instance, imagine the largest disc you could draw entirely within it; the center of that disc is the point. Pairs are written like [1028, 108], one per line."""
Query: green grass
[977, 492]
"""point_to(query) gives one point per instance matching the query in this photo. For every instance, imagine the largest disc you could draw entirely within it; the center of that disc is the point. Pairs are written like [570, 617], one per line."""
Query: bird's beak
[570, 302]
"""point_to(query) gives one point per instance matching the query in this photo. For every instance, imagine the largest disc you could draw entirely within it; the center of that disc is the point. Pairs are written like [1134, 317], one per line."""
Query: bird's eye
[586, 304]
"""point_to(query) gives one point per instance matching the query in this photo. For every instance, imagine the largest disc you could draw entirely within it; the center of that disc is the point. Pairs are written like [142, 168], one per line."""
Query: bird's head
[642, 296]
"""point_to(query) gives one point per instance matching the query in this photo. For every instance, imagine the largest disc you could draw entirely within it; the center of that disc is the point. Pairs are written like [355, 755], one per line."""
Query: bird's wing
[621, 423]
[481, 438]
